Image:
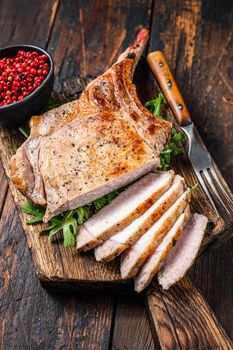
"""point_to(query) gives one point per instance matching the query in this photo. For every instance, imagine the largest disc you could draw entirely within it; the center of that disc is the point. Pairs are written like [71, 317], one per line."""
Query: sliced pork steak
[182, 256]
[134, 257]
[125, 208]
[90, 147]
[154, 262]
[119, 242]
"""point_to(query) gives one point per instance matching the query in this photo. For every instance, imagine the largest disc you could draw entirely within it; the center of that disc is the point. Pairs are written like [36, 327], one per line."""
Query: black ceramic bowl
[18, 112]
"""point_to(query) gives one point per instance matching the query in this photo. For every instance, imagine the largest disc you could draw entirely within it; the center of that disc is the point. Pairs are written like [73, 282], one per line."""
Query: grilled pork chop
[182, 256]
[119, 242]
[90, 147]
[134, 257]
[155, 261]
[125, 208]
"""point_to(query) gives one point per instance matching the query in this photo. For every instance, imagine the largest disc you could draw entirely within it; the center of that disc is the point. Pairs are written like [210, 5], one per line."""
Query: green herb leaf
[25, 131]
[29, 208]
[35, 220]
[69, 230]
[177, 136]
[173, 149]
[155, 105]
[165, 157]
[53, 223]
[82, 214]
[193, 187]
[101, 202]
[14, 148]
[55, 229]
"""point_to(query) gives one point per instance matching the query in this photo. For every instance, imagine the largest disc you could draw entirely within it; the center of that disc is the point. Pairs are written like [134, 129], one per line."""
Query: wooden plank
[131, 328]
[183, 319]
[89, 35]
[28, 21]
[212, 274]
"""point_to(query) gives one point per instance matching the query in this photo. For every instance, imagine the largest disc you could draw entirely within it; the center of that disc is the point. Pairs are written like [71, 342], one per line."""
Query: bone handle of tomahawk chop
[164, 77]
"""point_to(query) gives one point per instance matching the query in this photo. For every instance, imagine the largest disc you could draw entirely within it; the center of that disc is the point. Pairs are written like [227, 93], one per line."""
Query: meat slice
[125, 208]
[182, 256]
[119, 242]
[154, 262]
[90, 147]
[133, 258]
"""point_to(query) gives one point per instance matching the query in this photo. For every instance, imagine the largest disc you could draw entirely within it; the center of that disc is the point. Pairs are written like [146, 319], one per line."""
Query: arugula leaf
[193, 187]
[69, 230]
[14, 148]
[177, 136]
[29, 208]
[82, 214]
[172, 149]
[25, 131]
[102, 202]
[155, 105]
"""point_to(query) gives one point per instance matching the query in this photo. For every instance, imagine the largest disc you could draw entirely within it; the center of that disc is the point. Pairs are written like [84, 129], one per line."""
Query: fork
[199, 156]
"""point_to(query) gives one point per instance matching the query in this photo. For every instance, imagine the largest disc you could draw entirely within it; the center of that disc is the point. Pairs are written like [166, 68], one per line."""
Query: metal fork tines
[205, 171]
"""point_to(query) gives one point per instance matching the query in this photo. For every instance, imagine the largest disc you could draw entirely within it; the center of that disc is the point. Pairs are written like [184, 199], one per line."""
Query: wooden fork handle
[164, 77]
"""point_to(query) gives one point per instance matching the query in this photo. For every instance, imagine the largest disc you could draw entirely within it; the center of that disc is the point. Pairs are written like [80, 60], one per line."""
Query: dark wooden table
[84, 37]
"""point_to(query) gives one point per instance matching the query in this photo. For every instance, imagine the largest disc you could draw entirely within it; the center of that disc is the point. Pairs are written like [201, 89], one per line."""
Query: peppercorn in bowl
[26, 82]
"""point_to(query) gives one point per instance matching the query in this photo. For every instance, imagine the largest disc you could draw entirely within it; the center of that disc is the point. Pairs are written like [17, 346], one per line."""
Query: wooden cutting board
[61, 267]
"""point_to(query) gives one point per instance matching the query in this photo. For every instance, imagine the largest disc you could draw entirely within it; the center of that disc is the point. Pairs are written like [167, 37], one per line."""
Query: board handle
[164, 77]
[181, 319]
